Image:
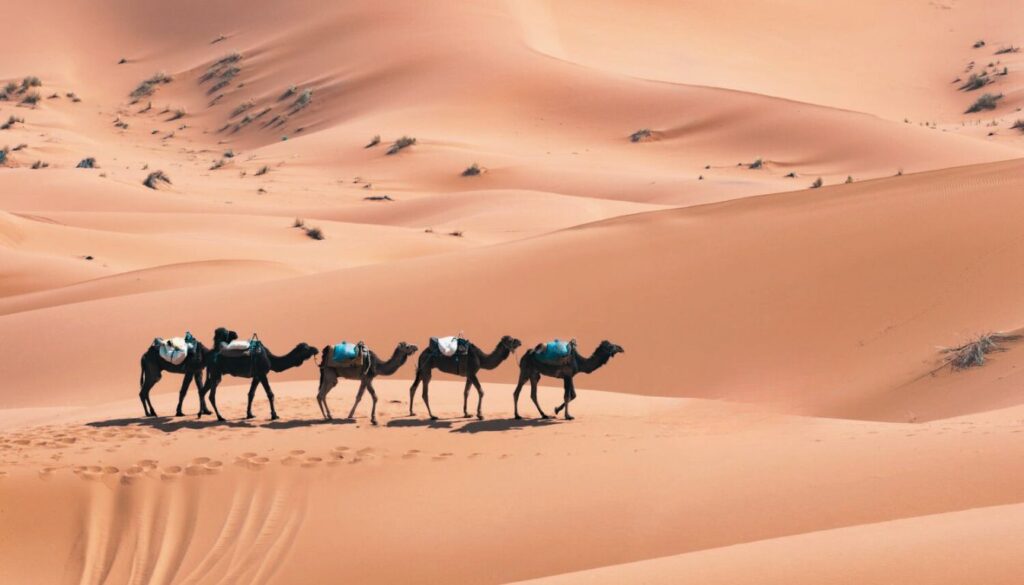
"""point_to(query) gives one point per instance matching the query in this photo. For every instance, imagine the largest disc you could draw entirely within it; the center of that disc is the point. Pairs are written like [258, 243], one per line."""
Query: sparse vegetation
[790, 175]
[20, 147]
[979, 44]
[1010, 49]
[849, 179]
[976, 81]
[456, 233]
[985, 102]
[640, 135]
[403, 142]
[315, 233]
[11, 121]
[229, 153]
[31, 98]
[217, 164]
[86, 163]
[40, 165]
[1018, 125]
[817, 183]
[30, 82]
[972, 353]
[758, 163]
[218, 39]
[10, 88]
[73, 97]
[292, 90]
[373, 142]
[299, 223]
[305, 98]
[473, 170]
[177, 115]
[154, 179]
[378, 198]
[148, 86]
[263, 170]
[241, 109]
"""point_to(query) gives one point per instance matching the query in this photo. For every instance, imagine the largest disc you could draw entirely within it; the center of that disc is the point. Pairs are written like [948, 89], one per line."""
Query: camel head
[610, 349]
[510, 343]
[305, 351]
[223, 335]
[406, 348]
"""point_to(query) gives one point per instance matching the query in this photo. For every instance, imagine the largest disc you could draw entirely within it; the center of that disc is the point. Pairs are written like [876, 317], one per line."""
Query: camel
[153, 367]
[260, 362]
[371, 367]
[531, 368]
[472, 362]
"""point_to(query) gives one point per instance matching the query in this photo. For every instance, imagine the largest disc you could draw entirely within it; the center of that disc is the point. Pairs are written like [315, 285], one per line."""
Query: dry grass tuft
[403, 142]
[154, 179]
[972, 353]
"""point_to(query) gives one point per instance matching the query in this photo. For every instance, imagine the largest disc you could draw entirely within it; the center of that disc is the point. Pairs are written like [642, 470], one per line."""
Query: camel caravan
[456, 355]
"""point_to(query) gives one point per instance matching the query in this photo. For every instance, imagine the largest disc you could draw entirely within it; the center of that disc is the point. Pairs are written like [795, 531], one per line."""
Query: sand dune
[779, 209]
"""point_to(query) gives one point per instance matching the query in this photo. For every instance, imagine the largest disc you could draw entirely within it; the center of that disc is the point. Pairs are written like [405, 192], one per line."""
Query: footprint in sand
[312, 461]
[170, 473]
[110, 470]
[297, 452]
[290, 461]
[201, 460]
[411, 454]
[195, 470]
[3, 474]
[257, 463]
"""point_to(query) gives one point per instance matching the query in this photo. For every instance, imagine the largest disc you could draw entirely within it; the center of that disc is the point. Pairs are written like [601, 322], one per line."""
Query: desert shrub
[292, 90]
[373, 142]
[976, 81]
[456, 233]
[73, 96]
[177, 115]
[10, 88]
[972, 353]
[985, 102]
[403, 142]
[298, 223]
[263, 170]
[11, 121]
[1018, 125]
[472, 171]
[378, 198]
[817, 183]
[20, 147]
[218, 39]
[756, 164]
[30, 82]
[229, 153]
[40, 165]
[305, 98]
[790, 175]
[1010, 49]
[315, 233]
[148, 86]
[849, 179]
[31, 98]
[640, 135]
[154, 179]
[86, 163]
[217, 164]
[979, 44]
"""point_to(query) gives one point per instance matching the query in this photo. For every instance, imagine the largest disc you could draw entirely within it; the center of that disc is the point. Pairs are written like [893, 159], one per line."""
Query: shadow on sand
[307, 422]
[169, 424]
[503, 424]
[420, 422]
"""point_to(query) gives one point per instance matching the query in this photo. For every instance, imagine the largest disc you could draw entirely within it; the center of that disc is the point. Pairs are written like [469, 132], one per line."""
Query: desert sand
[806, 218]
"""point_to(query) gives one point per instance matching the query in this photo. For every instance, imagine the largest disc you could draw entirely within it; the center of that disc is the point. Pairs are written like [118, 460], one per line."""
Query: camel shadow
[503, 424]
[307, 422]
[168, 424]
[419, 422]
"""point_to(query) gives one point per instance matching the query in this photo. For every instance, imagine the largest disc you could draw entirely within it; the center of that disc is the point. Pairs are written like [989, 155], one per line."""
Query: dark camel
[530, 368]
[476, 360]
[153, 367]
[371, 367]
[256, 366]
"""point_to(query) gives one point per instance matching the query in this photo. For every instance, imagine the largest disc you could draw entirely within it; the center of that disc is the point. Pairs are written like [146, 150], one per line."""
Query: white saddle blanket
[173, 350]
[239, 345]
[448, 345]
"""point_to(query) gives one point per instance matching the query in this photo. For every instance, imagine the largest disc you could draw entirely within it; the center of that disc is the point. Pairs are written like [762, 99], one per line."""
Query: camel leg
[252, 394]
[359, 397]
[270, 397]
[479, 397]
[426, 395]
[515, 394]
[149, 380]
[212, 384]
[465, 396]
[570, 394]
[198, 377]
[373, 409]
[534, 380]
[181, 393]
[412, 391]
[328, 380]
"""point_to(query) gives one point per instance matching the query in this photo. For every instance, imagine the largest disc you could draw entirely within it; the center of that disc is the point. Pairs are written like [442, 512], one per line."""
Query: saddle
[450, 346]
[174, 350]
[347, 355]
[555, 353]
[239, 347]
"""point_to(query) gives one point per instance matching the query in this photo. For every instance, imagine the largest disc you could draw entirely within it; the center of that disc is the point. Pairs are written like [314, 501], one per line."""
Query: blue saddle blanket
[345, 351]
[554, 351]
